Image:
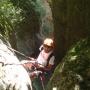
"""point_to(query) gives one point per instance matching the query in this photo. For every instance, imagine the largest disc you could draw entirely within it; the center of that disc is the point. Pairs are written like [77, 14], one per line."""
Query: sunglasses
[46, 46]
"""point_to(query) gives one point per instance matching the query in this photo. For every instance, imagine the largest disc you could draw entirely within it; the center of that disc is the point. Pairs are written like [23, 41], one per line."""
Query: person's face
[47, 48]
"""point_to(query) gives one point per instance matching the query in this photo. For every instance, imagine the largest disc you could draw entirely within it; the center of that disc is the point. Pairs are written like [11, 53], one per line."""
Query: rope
[19, 53]
[30, 58]
[14, 49]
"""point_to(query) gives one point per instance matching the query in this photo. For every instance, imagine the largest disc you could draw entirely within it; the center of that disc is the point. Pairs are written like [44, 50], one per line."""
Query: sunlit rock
[12, 75]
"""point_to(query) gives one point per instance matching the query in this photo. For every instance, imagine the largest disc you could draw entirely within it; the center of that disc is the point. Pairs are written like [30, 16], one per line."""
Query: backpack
[50, 72]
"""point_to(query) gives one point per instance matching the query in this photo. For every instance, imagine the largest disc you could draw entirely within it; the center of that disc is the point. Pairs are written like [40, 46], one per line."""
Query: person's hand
[36, 65]
[38, 72]
[35, 74]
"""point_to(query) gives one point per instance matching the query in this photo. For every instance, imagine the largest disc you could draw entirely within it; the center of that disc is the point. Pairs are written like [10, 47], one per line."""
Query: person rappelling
[40, 69]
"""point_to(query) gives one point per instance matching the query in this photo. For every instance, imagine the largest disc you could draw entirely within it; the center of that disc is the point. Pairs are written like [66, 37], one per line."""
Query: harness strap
[49, 58]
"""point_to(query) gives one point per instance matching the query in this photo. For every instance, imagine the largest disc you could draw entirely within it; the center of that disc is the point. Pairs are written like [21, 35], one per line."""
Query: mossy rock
[73, 73]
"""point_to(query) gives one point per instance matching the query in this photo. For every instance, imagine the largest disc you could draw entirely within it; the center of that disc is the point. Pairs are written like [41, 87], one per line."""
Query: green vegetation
[73, 73]
[24, 16]
[35, 13]
[9, 17]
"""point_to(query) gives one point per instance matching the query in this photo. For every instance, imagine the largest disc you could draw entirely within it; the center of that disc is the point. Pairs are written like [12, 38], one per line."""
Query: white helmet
[48, 42]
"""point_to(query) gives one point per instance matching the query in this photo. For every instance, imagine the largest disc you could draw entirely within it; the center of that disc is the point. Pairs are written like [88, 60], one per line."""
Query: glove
[38, 73]
[35, 74]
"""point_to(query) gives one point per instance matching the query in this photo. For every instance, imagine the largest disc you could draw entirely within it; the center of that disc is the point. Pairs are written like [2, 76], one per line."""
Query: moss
[73, 72]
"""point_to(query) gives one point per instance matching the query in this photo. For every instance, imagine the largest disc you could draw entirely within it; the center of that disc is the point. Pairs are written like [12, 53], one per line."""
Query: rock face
[71, 22]
[38, 24]
[74, 72]
[12, 75]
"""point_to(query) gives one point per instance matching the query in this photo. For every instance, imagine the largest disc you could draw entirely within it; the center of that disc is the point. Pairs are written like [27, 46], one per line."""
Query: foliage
[35, 13]
[9, 16]
[74, 71]
[30, 7]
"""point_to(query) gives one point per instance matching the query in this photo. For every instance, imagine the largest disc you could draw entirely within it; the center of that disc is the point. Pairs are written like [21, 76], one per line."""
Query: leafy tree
[9, 17]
